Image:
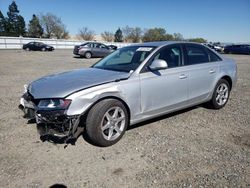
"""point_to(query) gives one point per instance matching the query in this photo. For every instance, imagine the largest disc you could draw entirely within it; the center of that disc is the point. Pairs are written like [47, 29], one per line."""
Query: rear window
[196, 54]
[87, 45]
[213, 56]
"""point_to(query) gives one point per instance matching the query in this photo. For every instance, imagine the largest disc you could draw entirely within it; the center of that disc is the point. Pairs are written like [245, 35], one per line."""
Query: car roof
[163, 43]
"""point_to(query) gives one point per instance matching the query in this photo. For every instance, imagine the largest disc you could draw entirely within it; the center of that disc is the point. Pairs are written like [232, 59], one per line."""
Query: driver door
[164, 90]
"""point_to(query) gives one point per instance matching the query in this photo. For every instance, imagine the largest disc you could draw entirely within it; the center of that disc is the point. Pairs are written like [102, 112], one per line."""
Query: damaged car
[131, 85]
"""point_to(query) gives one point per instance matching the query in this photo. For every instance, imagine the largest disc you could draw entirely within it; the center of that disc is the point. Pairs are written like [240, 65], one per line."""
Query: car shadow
[148, 122]
[57, 185]
[56, 140]
[159, 118]
[78, 57]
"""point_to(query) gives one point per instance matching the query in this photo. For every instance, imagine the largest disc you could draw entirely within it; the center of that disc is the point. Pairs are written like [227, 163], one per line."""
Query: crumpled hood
[62, 84]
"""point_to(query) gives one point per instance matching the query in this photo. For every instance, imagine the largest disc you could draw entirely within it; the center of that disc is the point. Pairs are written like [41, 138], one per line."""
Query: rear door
[202, 65]
[96, 50]
[32, 46]
[104, 50]
[37, 46]
[245, 49]
[237, 49]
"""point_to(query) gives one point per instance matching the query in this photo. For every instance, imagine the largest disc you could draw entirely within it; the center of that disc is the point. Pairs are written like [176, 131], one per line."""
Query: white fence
[17, 42]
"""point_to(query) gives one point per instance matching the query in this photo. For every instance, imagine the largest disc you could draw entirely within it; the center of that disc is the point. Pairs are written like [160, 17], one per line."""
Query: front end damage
[53, 125]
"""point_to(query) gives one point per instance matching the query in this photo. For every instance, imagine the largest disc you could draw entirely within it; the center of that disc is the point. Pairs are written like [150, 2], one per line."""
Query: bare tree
[53, 26]
[61, 32]
[108, 36]
[132, 34]
[86, 34]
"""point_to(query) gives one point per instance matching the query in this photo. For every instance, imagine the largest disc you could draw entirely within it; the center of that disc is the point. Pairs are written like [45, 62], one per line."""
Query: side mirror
[158, 64]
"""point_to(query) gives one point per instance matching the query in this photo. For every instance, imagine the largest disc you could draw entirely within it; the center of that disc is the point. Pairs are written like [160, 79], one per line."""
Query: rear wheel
[221, 94]
[88, 55]
[107, 122]
[27, 49]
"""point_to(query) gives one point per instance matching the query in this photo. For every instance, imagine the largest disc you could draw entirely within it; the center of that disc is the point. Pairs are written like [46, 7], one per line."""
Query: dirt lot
[197, 147]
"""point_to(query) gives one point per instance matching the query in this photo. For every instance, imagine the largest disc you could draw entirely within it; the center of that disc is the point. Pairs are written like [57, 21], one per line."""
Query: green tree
[169, 37]
[178, 37]
[199, 40]
[15, 25]
[35, 29]
[118, 35]
[20, 26]
[2, 24]
[155, 34]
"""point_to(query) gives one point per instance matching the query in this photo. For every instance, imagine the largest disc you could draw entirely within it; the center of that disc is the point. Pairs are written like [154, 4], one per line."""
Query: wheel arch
[84, 115]
[88, 51]
[228, 79]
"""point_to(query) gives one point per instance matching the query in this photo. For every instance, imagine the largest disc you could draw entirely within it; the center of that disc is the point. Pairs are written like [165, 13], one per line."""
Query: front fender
[83, 100]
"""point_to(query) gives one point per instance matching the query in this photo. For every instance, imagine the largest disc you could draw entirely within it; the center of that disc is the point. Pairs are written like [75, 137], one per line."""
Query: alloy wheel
[222, 93]
[113, 123]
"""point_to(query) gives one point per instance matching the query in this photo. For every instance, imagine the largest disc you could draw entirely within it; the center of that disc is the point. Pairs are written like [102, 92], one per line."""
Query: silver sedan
[133, 84]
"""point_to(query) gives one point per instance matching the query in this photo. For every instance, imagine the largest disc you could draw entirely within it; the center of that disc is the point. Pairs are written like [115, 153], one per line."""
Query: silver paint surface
[62, 84]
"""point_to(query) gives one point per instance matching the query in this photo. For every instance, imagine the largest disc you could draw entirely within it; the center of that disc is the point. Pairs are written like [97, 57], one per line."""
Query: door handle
[212, 71]
[183, 76]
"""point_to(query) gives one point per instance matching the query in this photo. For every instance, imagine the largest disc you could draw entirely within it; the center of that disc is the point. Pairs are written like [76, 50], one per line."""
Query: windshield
[125, 59]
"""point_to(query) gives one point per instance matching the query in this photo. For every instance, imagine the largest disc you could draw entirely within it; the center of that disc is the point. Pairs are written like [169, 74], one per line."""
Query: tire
[27, 49]
[43, 49]
[107, 122]
[220, 95]
[88, 55]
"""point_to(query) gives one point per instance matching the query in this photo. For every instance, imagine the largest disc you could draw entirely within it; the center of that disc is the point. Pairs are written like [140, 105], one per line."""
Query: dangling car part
[51, 118]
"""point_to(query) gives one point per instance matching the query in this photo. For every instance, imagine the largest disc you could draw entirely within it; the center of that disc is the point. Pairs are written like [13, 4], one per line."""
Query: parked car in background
[131, 85]
[92, 49]
[214, 47]
[218, 48]
[37, 46]
[237, 49]
[209, 45]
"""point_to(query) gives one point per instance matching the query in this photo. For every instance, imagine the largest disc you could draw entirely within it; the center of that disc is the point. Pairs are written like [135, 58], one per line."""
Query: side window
[213, 56]
[88, 45]
[97, 45]
[103, 46]
[171, 54]
[196, 55]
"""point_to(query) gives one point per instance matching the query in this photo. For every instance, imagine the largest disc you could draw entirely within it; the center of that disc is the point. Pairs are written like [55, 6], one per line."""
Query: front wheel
[221, 94]
[43, 49]
[107, 122]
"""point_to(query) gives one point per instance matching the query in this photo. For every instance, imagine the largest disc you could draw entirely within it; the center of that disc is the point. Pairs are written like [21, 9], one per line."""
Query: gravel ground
[197, 147]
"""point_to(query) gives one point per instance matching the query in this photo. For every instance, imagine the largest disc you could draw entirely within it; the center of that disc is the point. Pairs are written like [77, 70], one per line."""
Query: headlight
[54, 103]
[25, 88]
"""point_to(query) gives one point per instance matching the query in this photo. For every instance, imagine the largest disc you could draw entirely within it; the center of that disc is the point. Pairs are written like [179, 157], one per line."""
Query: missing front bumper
[53, 125]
